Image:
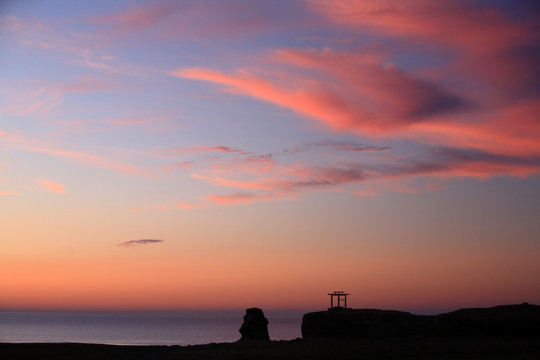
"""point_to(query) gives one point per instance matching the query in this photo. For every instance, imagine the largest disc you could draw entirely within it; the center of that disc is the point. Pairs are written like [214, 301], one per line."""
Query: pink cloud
[395, 98]
[284, 183]
[512, 131]
[357, 93]
[314, 101]
[51, 186]
[500, 48]
[472, 26]
[481, 106]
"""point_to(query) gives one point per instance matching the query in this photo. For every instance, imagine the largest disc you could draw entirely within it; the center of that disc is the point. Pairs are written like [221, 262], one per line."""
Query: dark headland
[502, 332]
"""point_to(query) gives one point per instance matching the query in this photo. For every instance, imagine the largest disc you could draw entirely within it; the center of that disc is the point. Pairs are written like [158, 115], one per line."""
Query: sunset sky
[231, 154]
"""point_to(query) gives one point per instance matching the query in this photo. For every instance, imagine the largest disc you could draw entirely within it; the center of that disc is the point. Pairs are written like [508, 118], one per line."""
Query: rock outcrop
[508, 320]
[255, 326]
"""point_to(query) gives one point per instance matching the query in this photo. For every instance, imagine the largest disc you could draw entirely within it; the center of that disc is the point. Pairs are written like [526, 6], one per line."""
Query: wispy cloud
[197, 150]
[235, 198]
[51, 186]
[40, 97]
[140, 242]
[190, 206]
[129, 122]
[482, 97]
[32, 145]
[8, 193]
[173, 20]
[315, 101]
[395, 173]
[351, 146]
[138, 18]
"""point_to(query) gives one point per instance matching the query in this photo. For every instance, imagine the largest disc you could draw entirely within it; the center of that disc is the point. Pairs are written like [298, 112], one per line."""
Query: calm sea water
[139, 328]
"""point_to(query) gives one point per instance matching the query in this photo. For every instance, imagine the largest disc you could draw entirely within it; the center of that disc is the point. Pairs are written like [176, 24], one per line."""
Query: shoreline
[477, 347]
[501, 332]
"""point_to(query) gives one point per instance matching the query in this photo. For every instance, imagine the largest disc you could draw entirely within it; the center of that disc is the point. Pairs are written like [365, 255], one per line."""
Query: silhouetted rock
[255, 326]
[509, 320]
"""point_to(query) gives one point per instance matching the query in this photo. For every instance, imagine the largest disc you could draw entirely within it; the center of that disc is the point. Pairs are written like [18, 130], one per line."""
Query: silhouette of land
[503, 332]
[500, 321]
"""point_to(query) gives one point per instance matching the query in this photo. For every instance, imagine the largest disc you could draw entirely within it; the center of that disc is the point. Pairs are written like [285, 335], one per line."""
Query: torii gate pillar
[341, 297]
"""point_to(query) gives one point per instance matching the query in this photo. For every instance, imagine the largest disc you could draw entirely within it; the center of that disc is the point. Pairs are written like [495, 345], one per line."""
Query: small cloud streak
[51, 186]
[29, 144]
[8, 193]
[351, 146]
[233, 199]
[131, 243]
[198, 150]
[190, 206]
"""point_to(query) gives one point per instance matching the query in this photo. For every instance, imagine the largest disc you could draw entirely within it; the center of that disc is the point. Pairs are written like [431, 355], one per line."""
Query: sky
[162, 155]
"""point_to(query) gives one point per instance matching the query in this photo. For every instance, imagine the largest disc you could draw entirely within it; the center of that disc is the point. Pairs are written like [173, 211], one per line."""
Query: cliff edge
[507, 320]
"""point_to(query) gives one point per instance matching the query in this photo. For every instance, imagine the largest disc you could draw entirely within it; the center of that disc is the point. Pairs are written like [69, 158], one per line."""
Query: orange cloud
[51, 186]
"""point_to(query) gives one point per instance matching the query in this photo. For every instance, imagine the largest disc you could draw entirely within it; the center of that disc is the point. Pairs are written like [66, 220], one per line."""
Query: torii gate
[339, 295]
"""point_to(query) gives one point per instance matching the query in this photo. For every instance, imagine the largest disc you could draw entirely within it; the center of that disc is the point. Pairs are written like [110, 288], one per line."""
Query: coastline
[501, 332]
[411, 348]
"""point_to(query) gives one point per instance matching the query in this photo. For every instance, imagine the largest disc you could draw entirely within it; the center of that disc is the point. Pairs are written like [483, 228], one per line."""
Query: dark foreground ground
[427, 348]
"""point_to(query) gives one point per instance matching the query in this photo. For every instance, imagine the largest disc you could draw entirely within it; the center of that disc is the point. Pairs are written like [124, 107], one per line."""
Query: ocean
[139, 328]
